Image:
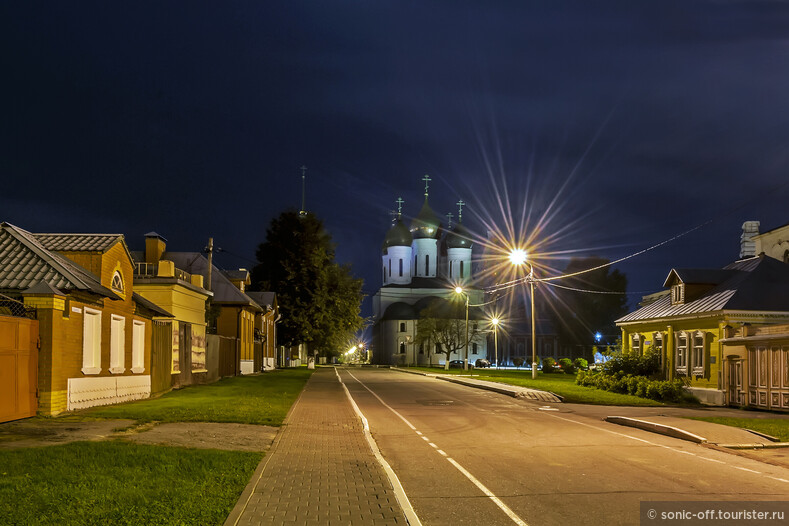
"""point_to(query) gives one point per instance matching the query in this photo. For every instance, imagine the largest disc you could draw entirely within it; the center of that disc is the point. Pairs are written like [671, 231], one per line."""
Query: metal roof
[78, 242]
[756, 284]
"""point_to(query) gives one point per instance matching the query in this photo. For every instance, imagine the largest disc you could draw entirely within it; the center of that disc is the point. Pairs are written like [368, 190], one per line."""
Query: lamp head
[517, 256]
[459, 290]
[495, 321]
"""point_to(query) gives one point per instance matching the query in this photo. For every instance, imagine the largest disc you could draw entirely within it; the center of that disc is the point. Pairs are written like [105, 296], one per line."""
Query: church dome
[399, 311]
[459, 237]
[398, 236]
[426, 224]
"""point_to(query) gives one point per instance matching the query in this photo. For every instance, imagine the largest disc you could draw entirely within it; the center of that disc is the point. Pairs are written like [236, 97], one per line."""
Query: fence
[11, 307]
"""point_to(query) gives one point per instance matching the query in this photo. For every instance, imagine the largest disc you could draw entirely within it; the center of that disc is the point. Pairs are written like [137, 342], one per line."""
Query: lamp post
[495, 322]
[518, 257]
[460, 290]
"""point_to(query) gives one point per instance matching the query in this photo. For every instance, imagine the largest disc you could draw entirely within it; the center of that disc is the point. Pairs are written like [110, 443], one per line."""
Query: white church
[421, 266]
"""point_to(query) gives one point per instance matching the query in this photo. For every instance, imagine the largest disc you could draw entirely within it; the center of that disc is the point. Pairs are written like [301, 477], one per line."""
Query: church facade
[420, 267]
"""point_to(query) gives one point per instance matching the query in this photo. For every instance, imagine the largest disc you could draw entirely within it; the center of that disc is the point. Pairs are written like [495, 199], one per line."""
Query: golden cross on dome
[399, 206]
[460, 210]
[450, 216]
[427, 180]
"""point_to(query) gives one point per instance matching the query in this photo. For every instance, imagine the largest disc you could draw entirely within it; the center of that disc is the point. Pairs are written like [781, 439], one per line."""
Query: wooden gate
[18, 368]
[768, 377]
[161, 357]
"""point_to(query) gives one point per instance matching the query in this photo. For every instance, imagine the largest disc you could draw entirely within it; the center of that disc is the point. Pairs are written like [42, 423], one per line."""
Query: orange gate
[18, 368]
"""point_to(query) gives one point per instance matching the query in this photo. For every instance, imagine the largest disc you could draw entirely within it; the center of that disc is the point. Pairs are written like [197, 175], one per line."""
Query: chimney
[154, 247]
[747, 244]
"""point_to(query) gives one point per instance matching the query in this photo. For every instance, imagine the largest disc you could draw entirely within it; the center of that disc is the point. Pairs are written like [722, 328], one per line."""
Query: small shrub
[517, 362]
[548, 364]
[581, 364]
[567, 366]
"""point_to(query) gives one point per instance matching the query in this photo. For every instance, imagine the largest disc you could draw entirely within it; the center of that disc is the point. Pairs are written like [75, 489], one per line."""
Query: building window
[117, 344]
[401, 267]
[450, 270]
[678, 294]
[117, 282]
[698, 356]
[402, 347]
[438, 348]
[658, 346]
[635, 344]
[384, 274]
[402, 326]
[390, 268]
[138, 347]
[427, 264]
[473, 348]
[421, 348]
[462, 274]
[413, 270]
[91, 341]
[682, 353]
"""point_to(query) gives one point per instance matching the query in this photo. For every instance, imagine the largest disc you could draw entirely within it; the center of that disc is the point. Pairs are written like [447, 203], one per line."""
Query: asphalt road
[466, 456]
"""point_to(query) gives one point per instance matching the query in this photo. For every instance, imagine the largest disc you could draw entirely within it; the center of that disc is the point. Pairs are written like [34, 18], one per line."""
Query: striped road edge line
[402, 498]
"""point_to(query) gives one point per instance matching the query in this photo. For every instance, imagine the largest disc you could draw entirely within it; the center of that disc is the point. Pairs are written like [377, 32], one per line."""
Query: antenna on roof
[303, 211]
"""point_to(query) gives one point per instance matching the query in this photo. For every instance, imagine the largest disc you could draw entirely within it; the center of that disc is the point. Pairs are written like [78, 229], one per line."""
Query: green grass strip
[262, 399]
[115, 482]
[774, 427]
[559, 383]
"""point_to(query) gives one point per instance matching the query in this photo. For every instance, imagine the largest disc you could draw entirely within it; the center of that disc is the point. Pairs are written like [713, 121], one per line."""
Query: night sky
[599, 127]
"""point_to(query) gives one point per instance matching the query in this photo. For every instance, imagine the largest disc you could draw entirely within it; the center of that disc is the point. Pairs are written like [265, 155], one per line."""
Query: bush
[647, 365]
[567, 366]
[548, 365]
[581, 364]
[517, 362]
[641, 386]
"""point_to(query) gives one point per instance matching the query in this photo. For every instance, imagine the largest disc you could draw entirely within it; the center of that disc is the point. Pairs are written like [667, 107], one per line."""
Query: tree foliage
[319, 300]
[438, 325]
[576, 316]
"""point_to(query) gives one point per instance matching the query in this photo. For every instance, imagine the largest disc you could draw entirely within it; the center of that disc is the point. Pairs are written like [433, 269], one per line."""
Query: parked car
[482, 363]
[458, 364]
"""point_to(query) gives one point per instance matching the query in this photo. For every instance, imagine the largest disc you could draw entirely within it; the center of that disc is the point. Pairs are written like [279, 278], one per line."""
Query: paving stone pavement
[320, 469]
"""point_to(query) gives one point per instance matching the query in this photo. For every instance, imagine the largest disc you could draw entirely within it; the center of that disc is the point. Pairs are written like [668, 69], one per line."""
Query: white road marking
[442, 452]
[432, 445]
[402, 498]
[776, 478]
[656, 444]
[506, 509]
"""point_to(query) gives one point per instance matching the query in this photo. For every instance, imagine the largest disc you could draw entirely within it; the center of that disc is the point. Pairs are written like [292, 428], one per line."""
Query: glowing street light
[495, 322]
[459, 290]
[517, 258]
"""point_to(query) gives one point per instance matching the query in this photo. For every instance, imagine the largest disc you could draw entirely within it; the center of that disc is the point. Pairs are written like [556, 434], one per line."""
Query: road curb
[660, 429]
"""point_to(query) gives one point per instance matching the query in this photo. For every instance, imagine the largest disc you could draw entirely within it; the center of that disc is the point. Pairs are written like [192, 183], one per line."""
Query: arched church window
[450, 270]
[402, 326]
[427, 264]
[390, 268]
[402, 347]
[401, 267]
[462, 275]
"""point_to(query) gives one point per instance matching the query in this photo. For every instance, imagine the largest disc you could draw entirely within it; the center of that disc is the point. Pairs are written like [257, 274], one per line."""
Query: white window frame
[91, 341]
[678, 294]
[681, 365]
[138, 347]
[658, 347]
[698, 357]
[635, 343]
[117, 344]
[121, 285]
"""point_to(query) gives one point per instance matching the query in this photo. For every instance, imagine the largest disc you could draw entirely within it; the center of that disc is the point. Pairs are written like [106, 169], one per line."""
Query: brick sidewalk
[320, 469]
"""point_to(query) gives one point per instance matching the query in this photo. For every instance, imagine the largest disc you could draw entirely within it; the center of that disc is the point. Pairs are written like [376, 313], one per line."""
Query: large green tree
[597, 301]
[319, 299]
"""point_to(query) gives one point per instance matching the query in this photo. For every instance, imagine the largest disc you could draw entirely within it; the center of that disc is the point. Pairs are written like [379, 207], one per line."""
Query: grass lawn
[561, 384]
[771, 426]
[262, 399]
[119, 482]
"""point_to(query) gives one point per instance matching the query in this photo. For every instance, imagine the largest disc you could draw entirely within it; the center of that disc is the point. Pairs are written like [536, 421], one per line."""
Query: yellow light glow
[494, 321]
[459, 290]
[518, 256]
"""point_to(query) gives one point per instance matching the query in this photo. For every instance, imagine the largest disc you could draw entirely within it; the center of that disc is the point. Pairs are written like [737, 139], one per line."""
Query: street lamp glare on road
[518, 257]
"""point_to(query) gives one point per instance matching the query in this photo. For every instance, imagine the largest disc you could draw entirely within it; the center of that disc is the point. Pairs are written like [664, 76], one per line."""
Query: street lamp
[517, 258]
[495, 323]
[459, 290]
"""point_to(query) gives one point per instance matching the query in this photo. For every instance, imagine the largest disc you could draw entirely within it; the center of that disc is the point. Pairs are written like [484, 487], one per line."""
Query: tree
[440, 324]
[578, 315]
[319, 299]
